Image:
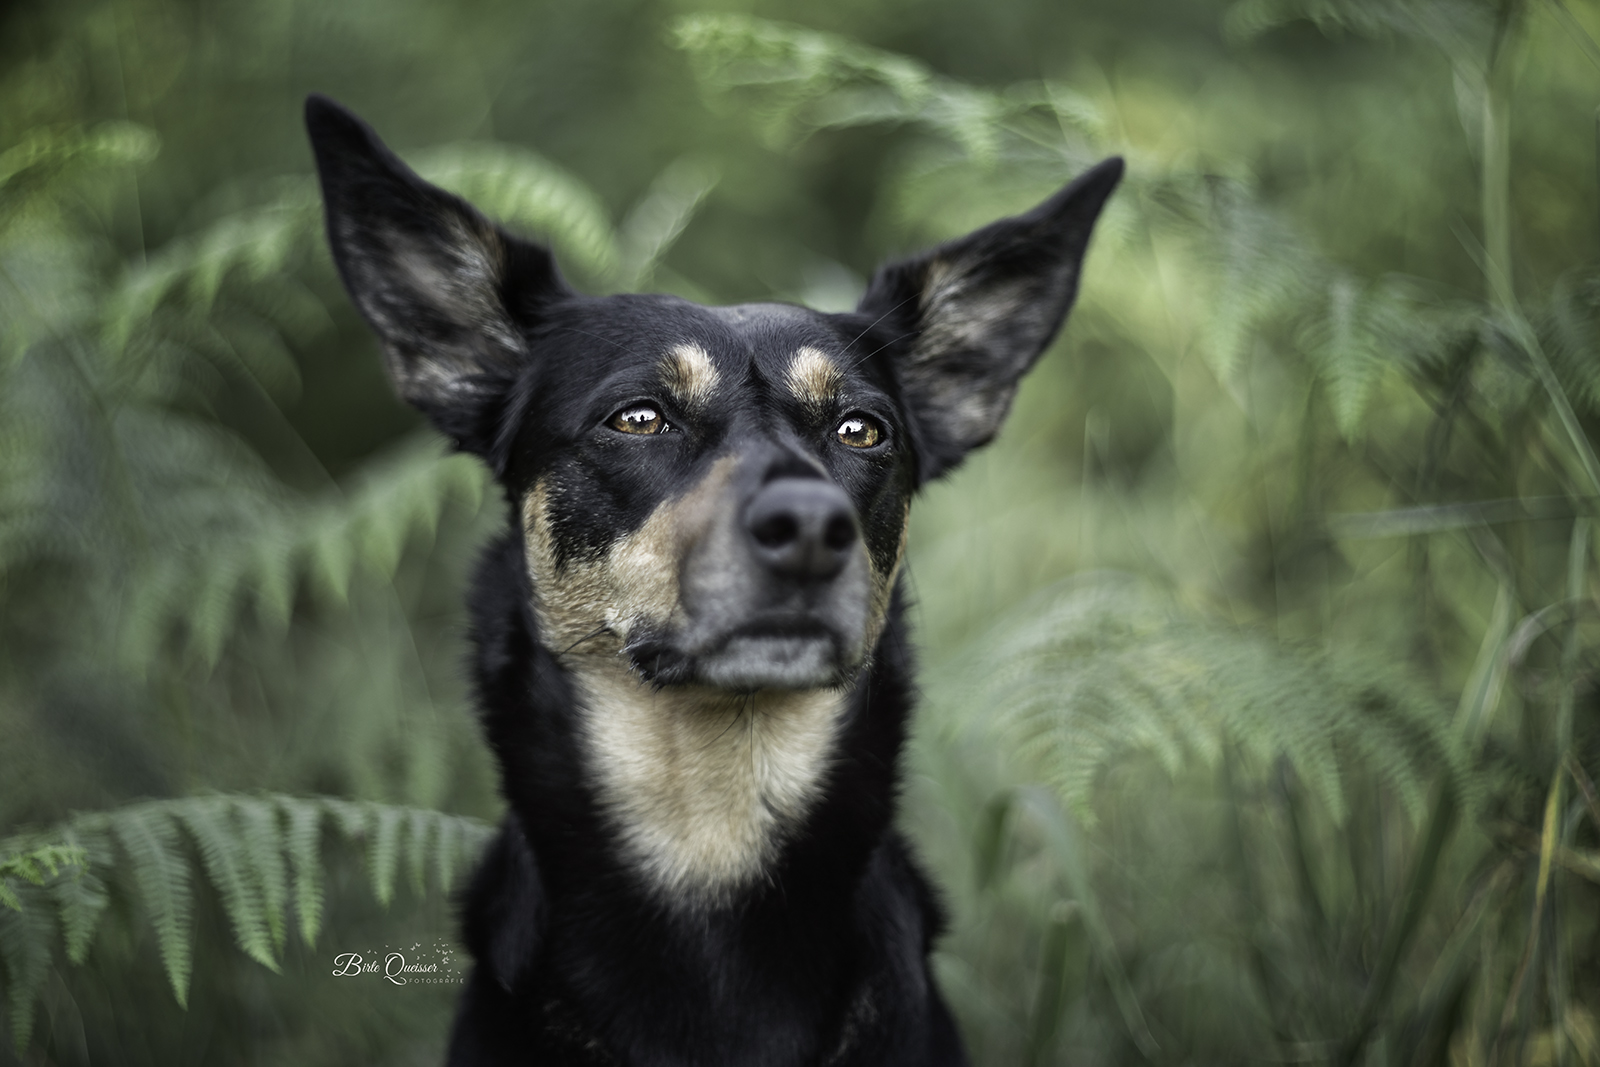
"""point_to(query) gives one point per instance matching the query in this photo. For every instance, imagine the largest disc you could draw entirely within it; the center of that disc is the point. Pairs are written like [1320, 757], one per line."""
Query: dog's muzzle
[776, 594]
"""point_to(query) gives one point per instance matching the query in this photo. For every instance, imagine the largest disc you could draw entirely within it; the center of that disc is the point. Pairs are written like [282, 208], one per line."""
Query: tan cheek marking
[637, 581]
[814, 378]
[689, 375]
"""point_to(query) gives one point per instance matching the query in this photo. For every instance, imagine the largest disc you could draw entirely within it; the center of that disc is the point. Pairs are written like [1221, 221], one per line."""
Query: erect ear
[971, 317]
[448, 293]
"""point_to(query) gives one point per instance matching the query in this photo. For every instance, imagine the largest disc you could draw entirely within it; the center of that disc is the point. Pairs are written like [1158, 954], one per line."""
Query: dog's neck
[701, 786]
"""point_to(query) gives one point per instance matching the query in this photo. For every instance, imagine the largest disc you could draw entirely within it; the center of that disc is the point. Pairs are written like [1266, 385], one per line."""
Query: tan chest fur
[703, 785]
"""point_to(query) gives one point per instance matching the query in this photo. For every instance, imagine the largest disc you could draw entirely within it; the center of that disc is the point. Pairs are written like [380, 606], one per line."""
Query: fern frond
[302, 842]
[80, 901]
[383, 850]
[258, 242]
[35, 867]
[1457, 27]
[244, 847]
[269, 541]
[215, 832]
[26, 933]
[149, 836]
[736, 51]
[449, 844]
[658, 219]
[265, 242]
[32, 171]
[264, 838]
[1356, 332]
[1097, 670]
[523, 189]
[1263, 272]
[811, 80]
[420, 829]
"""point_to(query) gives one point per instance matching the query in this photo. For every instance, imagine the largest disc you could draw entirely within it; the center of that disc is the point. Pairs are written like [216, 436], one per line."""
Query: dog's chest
[702, 785]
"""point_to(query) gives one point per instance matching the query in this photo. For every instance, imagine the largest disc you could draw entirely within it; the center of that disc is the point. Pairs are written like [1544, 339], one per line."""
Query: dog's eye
[641, 418]
[860, 430]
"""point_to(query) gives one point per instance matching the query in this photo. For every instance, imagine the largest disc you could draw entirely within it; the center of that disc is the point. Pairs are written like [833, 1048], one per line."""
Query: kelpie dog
[691, 657]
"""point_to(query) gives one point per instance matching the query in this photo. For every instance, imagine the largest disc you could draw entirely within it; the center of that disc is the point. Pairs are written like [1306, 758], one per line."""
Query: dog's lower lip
[765, 660]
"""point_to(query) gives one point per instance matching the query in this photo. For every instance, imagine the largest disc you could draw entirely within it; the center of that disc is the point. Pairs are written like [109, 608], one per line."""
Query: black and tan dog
[690, 653]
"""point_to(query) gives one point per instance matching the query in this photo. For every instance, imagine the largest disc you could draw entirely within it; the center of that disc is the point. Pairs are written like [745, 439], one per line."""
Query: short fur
[691, 656]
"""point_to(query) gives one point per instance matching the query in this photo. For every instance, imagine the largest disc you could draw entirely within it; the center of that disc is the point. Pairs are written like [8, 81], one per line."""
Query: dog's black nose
[802, 528]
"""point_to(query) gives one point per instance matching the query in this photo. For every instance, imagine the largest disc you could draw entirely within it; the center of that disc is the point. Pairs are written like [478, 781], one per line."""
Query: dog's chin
[771, 661]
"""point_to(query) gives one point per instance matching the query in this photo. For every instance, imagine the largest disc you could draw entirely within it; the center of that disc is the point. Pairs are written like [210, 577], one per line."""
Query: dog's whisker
[597, 337]
[737, 715]
[880, 348]
[591, 635]
[879, 319]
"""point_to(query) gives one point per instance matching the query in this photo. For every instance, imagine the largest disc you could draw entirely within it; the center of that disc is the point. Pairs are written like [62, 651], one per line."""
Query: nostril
[775, 531]
[839, 533]
[801, 529]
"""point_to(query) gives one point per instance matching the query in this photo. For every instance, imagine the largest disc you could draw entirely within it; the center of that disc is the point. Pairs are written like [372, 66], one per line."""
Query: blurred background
[1260, 719]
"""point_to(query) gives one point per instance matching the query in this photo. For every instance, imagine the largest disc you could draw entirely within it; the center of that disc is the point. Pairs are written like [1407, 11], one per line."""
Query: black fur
[583, 958]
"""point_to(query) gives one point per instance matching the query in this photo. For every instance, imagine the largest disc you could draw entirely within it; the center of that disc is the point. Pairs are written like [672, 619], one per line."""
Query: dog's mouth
[775, 652]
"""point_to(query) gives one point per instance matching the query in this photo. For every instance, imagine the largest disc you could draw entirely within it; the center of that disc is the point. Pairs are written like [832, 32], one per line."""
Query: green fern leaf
[261, 553]
[304, 842]
[350, 817]
[80, 903]
[1264, 272]
[1344, 345]
[216, 835]
[191, 270]
[803, 79]
[793, 66]
[658, 219]
[448, 847]
[1460, 28]
[523, 189]
[420, 833]
[154, 847]
[263, 855]
[383, 849]
[242, 842]
[32, 171]
[1099, 669]
[26, 935]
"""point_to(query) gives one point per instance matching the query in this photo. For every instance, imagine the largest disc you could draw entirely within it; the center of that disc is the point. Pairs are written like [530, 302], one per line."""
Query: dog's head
[709, 495]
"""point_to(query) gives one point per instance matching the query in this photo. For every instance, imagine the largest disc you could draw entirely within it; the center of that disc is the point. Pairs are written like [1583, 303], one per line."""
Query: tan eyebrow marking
[813, 377]
[689, 374]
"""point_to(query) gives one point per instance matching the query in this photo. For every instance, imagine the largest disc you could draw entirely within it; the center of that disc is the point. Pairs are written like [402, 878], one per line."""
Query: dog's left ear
[450, 294]
[969, 318]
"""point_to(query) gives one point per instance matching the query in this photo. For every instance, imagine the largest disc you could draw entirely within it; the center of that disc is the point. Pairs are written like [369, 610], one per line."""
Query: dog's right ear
[449, 294]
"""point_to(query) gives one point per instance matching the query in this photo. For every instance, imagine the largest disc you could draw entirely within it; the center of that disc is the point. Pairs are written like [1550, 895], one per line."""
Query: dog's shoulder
[504, 908]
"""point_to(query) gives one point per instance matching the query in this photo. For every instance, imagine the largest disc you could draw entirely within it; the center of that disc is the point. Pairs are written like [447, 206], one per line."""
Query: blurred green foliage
[1261, 718]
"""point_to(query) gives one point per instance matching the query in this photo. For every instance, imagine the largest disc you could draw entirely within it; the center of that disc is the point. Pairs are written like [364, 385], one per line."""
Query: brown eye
[860, 431]
[641, 418]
